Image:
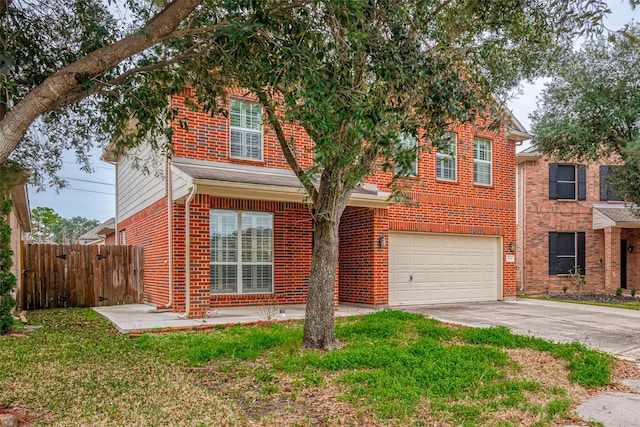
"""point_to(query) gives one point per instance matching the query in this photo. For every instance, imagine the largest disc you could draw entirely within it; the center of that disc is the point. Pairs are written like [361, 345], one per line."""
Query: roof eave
[281, 194]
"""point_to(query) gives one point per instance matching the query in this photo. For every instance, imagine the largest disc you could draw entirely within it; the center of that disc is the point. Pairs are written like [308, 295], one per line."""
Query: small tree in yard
[361, 76]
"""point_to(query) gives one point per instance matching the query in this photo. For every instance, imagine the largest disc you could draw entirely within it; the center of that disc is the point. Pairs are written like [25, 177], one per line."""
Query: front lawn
[395, 369]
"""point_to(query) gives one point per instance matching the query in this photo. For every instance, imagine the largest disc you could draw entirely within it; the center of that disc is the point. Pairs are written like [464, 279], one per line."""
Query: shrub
[565, 288]
[9, 176]
[619, 291]
[633, 291]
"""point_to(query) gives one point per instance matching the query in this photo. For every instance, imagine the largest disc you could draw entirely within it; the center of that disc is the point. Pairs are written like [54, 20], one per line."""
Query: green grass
[77, 370]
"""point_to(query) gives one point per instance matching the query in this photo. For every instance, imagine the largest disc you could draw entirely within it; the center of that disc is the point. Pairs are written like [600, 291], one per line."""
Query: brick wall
[208, 139]
[292, 253]
[149, 228]
[438, 206]
[464, 207]
[538, 215]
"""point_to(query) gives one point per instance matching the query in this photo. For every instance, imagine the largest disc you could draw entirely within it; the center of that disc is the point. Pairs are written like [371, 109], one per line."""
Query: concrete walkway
[140, 317]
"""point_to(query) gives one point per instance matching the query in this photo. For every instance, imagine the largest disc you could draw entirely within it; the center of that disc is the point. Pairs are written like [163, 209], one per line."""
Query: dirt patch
[266, 397]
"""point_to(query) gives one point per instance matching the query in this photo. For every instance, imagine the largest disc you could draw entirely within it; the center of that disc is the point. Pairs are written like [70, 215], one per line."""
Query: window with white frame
[241, 245]
[123, 238]
[446, 158]
[246, 129]
[407, 163]
[482, 161]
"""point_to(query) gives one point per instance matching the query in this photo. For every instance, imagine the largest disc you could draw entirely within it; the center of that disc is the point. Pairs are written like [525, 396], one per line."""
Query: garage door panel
[435, 268]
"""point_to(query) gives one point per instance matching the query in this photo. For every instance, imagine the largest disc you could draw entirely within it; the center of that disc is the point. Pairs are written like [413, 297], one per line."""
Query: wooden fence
[80, 276]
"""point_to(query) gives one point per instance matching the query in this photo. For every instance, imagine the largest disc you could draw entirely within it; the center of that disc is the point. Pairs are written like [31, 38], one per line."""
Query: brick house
[101, 234]
[568, 216]
[227, 205]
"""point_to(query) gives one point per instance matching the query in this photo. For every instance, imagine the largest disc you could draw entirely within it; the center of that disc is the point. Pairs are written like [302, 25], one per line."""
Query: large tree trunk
[43, 98]
[320, 312]
[319, 319]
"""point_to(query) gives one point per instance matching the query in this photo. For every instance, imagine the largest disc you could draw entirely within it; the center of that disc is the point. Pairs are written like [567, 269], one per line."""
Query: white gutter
[169, 231]
[187, 253]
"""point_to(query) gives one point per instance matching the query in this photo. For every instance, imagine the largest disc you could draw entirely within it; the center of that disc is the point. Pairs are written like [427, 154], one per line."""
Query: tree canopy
[47, 226]
[361, 76]
[590, 110]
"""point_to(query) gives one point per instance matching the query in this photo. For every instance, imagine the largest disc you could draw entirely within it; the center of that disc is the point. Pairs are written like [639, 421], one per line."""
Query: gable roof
[614, 216]
[98, 232]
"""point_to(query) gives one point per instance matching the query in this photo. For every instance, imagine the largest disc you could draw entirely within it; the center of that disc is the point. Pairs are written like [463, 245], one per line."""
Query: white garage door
[428, 268]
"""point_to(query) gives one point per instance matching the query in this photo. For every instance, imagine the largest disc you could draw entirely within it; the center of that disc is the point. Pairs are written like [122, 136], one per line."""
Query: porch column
[611, 259]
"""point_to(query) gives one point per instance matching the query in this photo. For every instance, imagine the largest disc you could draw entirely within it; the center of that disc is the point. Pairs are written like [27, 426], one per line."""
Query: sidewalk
[136, 318]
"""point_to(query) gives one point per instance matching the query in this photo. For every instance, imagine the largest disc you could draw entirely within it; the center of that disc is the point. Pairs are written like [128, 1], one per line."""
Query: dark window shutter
[553, 255]
[553, 181]
[580, 260]
[582, 182]
[604, 172]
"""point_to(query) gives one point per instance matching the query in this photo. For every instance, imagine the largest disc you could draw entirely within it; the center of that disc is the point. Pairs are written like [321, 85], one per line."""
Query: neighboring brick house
[568, 216]
[101, 234]
[227, 204]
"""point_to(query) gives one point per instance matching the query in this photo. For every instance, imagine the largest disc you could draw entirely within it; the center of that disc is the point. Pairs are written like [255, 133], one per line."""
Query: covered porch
[621, 238]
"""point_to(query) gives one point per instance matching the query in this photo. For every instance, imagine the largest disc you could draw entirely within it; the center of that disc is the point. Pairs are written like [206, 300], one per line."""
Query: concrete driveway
[613, 330]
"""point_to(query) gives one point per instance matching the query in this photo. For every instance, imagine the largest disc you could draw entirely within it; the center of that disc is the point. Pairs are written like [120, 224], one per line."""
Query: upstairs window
[246, 129]
[607, 193]
[567, 182]
[408, 165]
[482, 161]
[566, 252]
[446, 158]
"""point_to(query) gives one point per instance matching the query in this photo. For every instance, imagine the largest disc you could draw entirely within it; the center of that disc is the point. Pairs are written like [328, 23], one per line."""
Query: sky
[93, 195]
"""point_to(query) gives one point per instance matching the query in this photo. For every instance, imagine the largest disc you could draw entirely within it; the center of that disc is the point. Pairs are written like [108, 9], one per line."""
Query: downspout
[169, 303]
[187, 253]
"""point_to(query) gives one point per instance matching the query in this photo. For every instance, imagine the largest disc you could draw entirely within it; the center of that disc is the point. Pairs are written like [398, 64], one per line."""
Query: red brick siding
[292, 253]
[539, 215]
[440, 206]
[464, 207]
[363, 262]
[208, 139]
[149, 228]
[110, 239]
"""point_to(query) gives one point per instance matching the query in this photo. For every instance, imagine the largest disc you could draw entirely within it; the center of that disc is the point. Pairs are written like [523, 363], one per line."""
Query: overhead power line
[89, 191]
[87, 180]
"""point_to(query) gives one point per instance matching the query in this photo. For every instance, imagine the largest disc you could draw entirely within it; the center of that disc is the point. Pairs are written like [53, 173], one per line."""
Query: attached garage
[430, 268]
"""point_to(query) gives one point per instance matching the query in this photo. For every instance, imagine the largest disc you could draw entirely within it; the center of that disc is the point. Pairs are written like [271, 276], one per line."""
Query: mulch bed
[591, 297]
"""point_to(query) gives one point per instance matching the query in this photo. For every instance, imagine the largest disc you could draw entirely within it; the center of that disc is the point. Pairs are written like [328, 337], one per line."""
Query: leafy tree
[48, 226]
[44, 222]
[360, 75]
[60, 60]
[68, 230]
[590, 110]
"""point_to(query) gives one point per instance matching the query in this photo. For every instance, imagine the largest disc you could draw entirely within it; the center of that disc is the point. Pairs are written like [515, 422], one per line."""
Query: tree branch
[39, 100]
[274, 121]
